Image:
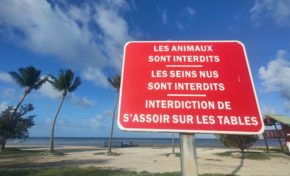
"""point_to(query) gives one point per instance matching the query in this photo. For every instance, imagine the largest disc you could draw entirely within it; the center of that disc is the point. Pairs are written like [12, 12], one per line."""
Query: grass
[108, 153]
[17, 157]
[247, 155]
[16, 162]
[213, 159]
[227, 153]
[256, 156]
[168, 154]
[90, 171]
[275, 150]
[54, 153]
[14, 152]
[13, 157]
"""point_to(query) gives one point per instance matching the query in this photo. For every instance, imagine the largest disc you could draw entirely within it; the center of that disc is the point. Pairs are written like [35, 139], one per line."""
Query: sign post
[188, 87]
[173, 143]
[188, 158]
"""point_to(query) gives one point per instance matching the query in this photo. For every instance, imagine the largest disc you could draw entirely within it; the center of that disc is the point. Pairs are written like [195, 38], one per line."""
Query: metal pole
[188, 155]
[266, 142]
[279, 137]
[173, 143]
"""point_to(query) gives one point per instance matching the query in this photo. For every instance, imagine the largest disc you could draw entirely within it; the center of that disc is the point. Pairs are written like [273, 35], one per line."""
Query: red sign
[193, 87]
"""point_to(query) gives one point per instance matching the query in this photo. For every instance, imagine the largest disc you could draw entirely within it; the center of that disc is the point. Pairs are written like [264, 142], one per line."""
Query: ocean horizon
[102, 141]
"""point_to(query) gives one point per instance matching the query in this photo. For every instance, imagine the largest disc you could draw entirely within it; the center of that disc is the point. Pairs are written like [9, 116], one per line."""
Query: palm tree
[115, 82]
[66, 84]
[28, 78]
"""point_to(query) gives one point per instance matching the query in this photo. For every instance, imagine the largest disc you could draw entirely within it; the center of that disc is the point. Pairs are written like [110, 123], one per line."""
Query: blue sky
[88, 37]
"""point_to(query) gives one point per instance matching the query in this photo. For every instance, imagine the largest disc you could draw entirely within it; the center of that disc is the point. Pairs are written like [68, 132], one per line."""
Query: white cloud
[5, 77]
[8, 93]
[67, 32]
[276, 75]
[98, 121]
[96, 76]
[267, 110]
[287, 105]
[190, 11]
[164, 17]
[115, 31]
[81, 101]
[187, 13]
[272, 9]
[49, 31]
[93, 123]
[179, 26]
[108, 113]
[48, 91]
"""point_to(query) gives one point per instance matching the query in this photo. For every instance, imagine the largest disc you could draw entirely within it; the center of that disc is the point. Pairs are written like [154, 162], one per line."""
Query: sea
[102, 141]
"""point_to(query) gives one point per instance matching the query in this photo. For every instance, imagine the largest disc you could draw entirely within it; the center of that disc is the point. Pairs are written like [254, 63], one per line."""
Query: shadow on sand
[239, 166]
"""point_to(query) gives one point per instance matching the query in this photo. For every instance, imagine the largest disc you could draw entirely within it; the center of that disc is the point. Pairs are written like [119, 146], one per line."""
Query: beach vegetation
[241, 142]
[256, 156]
[248, 155]
[65, 83]
[19, 153]
[29, 78]
[108, 154]
[89, 171]
[53, 153]
[174, 154]
[15, 124]
[116, 83]
[226, 153]
[17, 158]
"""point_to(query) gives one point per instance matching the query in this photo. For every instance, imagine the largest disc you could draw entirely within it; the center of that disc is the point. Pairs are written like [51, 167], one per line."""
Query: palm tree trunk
[113, 122]
[51, 141]
[2, 142]
[20, 102]
[243, 153]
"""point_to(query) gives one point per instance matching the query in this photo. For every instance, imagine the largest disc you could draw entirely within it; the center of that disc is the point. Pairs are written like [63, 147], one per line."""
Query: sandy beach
[156, 160]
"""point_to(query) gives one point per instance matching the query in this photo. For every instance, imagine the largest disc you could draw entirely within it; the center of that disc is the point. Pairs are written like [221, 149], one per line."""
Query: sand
[160, 159]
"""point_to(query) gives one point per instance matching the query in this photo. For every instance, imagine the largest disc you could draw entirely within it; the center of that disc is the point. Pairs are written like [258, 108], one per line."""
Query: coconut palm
[115, 82]
[29, 78]
[65, 83]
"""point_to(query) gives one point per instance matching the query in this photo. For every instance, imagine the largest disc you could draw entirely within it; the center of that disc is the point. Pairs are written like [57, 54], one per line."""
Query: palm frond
[111, 82]
[65, 81]
[19, 80]
[68, 78]
[29, 76]
[115, 82]
[40, 83]
[75, 84]
[118, 81]
[58, 84]
[50, 78]
[33, 75]
[25, 76]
